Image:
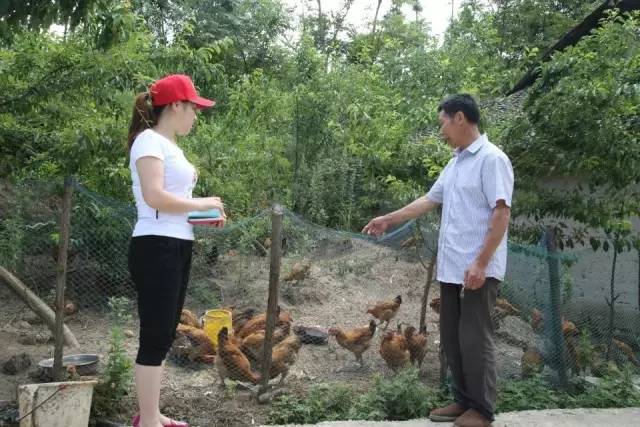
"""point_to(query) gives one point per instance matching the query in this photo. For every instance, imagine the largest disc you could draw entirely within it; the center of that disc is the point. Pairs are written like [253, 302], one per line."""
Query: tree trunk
[375, 18]
[321, 27]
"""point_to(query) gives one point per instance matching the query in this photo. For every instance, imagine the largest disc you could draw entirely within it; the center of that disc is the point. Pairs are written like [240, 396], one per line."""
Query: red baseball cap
[174, 88]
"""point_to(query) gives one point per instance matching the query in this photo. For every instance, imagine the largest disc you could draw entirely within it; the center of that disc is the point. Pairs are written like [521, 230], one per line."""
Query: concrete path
[625, 417]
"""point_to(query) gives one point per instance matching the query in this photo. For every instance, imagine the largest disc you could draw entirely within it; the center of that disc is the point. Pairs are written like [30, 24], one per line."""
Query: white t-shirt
[179, 178]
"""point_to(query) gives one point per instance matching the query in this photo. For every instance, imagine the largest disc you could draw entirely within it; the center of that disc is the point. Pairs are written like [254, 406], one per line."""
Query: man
[475, 190]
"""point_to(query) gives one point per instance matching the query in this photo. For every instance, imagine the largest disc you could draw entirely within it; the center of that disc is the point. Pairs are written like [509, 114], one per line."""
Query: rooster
[357, 341]
[394, 349]
[231, 362]
[385, 310]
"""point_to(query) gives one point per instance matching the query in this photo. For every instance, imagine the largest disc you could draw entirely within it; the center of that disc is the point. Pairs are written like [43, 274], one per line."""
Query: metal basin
[85, 364]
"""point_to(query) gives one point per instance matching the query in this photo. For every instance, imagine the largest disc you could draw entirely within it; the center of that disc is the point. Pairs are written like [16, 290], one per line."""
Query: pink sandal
[136, 422]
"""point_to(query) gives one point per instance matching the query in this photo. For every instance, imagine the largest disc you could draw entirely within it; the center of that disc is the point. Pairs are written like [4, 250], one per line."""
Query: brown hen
[357, 340]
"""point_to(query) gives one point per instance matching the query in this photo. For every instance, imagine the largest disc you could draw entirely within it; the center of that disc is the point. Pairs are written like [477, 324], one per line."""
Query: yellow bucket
[213, 321]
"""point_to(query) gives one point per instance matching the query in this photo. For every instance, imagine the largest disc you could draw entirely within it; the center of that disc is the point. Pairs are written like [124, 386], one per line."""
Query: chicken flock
[239, 352]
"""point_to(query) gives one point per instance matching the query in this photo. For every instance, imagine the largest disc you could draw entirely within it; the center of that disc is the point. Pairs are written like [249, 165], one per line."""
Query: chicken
[200, 347]
[357, 340]
[188, 318]
[507, 307]
[385, 310]
[536, 319]
[70, 308]
[299, 271]
[252, 345]
[627, 350]
[417, 344]
[395, 350]
[569, 328]
[531, 362]
[232, 363]
[240, 318]
[435, 305]
[283, 356]
[259, 323]
[410, 242]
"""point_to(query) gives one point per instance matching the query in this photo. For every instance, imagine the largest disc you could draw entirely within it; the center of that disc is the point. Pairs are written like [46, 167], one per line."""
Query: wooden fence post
[425, 293]
[272, 302]
[61, 278]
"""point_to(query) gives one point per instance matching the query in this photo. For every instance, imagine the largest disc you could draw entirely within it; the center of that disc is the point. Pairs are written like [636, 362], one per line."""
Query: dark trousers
[159, 268]
[467, 336]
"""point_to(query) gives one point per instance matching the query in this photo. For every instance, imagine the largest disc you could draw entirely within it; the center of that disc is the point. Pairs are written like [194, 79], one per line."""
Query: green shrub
[115, 383]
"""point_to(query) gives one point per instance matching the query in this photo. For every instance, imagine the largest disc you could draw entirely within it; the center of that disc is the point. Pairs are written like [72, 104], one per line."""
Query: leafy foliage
[402, 397]
[115, 381]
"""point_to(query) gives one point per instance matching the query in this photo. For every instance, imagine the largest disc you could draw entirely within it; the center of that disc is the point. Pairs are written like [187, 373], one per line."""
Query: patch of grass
[615, 390]
[405, 396]
[401, 397]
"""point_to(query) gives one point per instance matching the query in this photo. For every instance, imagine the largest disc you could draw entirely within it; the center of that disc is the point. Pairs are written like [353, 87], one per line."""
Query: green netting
[561, 328]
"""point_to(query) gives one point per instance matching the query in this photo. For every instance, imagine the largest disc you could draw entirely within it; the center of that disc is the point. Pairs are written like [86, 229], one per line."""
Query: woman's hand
[206, 203]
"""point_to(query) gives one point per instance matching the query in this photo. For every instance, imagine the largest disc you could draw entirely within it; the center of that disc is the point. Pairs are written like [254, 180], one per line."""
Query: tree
[580, 121]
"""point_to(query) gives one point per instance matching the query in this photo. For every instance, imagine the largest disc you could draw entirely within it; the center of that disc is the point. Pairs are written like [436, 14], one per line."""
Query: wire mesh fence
[344, 298]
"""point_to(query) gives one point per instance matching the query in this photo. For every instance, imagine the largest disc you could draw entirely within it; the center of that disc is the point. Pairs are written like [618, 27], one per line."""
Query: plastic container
[65, 404]
[213, 321]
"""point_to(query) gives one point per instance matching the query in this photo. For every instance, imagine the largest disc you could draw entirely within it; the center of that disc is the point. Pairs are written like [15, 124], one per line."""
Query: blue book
[211, 216]
[211, 213]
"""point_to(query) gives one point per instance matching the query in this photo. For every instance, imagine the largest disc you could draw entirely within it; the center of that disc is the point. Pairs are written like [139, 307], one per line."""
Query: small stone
[32, 319]
[35, 338]
[16, 364]
[129, 333]
[514, 331]
[21, 324]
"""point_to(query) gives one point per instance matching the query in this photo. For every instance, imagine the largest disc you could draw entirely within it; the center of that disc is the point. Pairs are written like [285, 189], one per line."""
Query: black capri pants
[159, 267]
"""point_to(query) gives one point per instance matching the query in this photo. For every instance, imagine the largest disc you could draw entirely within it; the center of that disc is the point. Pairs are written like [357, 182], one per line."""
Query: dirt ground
[342, 280]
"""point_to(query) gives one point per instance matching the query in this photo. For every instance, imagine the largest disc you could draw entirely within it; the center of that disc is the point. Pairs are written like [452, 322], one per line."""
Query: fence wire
[343, 297]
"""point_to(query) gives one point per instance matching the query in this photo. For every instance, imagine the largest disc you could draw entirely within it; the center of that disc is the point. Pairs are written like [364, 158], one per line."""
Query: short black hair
[461, 102]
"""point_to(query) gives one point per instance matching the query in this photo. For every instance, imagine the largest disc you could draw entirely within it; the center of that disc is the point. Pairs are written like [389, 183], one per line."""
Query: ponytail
[144, 116]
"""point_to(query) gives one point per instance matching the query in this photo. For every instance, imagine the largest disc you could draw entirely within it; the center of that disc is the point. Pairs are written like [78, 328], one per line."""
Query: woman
[160, 249]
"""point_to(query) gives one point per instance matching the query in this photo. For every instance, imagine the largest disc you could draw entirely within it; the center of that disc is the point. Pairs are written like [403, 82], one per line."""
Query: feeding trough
[85, 364]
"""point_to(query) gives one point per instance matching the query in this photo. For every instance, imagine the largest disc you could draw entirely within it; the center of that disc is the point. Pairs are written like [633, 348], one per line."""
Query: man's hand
[474, 276]
[376, 226]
